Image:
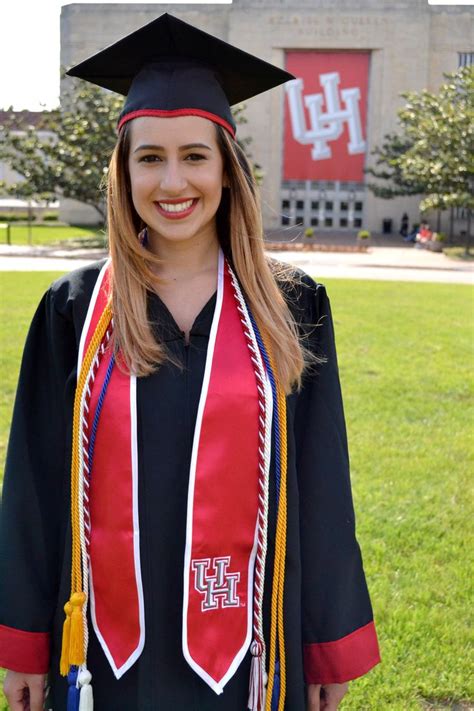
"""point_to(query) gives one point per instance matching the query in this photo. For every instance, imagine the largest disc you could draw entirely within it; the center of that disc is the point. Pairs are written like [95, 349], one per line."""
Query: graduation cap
[171, 68]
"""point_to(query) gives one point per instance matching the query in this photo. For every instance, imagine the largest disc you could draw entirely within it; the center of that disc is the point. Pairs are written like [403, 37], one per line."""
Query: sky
[29, 49]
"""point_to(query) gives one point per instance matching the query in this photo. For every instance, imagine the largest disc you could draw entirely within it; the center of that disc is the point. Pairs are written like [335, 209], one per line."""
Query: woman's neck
[185, 258]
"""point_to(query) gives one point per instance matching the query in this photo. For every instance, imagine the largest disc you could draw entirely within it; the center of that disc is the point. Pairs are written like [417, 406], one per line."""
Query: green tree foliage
[433, 154]
[441, 127]
[68, 154]
[388, 171]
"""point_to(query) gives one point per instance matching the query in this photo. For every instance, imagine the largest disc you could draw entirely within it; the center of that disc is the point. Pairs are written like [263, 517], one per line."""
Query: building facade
[313, 137]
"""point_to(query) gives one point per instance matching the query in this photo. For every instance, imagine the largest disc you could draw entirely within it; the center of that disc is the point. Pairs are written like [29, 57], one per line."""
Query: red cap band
[177, 112]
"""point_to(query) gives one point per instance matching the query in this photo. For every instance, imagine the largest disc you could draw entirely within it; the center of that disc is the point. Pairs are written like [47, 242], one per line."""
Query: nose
[172, 178]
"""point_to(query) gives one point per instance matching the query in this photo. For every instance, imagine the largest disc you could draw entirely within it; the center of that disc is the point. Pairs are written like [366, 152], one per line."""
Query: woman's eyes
[153, 158]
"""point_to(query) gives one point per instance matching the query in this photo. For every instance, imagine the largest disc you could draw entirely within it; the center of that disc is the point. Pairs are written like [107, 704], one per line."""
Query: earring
[143, 237]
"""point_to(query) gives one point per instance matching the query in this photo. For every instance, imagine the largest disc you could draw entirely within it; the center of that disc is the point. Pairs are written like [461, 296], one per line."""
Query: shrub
[15, 217]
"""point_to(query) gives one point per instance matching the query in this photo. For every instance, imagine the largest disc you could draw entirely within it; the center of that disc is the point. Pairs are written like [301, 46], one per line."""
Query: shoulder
[71, 293]
[306, 297]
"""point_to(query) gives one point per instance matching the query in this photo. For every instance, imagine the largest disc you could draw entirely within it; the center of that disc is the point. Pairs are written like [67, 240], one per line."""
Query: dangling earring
[143, 237]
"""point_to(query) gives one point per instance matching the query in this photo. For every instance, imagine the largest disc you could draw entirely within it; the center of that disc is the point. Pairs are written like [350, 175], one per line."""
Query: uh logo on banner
[326, 116]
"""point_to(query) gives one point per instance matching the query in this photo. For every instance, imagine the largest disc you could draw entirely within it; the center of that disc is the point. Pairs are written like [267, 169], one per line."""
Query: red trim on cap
[342, 660]
[24, 652]
[177, 112]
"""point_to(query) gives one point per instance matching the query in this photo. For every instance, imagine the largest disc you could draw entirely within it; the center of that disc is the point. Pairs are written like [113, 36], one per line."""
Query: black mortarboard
[170, 68]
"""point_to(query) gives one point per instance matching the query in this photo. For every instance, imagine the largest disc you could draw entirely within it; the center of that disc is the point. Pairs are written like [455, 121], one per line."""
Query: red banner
[326, 116]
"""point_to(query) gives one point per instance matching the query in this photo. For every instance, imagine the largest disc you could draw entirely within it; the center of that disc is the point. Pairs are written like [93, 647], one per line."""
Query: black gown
[327, 605]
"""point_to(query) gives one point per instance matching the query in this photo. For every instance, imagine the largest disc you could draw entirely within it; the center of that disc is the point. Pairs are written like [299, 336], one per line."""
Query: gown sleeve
[35, 496]
[339, 638]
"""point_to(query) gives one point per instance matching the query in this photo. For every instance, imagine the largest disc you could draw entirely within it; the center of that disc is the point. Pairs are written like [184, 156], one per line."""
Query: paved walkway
[383, 263]
[380, 263]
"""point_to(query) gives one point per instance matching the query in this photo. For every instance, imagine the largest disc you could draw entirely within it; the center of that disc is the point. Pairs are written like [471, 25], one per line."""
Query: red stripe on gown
[225, 499]
[115, 588]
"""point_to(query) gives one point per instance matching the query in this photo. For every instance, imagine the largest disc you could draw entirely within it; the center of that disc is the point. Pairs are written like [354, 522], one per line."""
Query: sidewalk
[381, 263]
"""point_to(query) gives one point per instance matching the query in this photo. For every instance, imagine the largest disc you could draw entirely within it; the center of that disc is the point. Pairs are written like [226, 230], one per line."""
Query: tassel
[76, 644]
[256, 700]
[64, 663]
[73, 691]
[86, 702]
[276, 687]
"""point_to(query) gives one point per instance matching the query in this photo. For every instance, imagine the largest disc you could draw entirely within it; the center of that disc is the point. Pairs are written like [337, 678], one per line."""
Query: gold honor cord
[277, 631]
[72, 651]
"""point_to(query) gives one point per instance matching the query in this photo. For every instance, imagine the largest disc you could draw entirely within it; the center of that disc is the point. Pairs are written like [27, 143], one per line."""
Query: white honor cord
[268, 398]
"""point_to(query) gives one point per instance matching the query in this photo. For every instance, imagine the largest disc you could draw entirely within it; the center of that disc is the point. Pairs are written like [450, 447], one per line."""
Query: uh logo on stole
[218, 590]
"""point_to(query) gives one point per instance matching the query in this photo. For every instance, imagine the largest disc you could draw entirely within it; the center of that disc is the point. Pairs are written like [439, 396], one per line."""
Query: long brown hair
[239, 227]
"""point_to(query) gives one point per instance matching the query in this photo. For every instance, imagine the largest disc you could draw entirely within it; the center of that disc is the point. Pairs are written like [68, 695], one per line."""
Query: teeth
[178, 207]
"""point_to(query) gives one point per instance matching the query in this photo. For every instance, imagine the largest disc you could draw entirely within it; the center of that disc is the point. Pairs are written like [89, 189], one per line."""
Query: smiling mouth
[176, 208]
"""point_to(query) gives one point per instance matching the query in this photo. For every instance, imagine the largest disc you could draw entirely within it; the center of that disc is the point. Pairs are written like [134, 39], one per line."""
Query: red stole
[116, 596]
[222, 504]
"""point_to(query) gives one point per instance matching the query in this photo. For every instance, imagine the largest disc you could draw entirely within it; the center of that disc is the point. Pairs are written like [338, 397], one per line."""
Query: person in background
[404, 225]
[424, 235]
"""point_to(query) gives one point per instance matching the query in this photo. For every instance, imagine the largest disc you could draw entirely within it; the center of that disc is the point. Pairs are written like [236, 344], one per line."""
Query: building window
[315, 204]
[328, 222]
[358, 207]
[328, 206]
[357, 222]
[465, 59]
[299, 221]
[343, 222]
[300, 204]
[344, 207]
[285, 204]
[285, 220]
[288, 184]
[314, 222]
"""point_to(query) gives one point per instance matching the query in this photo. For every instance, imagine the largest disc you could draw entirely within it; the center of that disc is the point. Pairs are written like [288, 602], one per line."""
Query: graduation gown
[330, 636]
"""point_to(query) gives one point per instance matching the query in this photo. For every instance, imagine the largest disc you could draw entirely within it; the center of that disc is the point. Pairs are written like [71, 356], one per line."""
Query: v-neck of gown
[164, 323]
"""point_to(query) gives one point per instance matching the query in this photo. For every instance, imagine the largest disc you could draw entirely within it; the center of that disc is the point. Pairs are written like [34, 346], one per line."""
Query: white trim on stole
[120, 671]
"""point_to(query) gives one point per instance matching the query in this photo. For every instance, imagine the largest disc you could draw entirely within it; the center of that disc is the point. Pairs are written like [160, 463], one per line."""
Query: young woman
[206, 532]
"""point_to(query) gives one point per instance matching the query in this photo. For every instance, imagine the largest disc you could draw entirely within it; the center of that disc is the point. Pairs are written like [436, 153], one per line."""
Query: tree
[434, 152]
[441, 128]
[68, 153]
[387, 168]
[69, 156]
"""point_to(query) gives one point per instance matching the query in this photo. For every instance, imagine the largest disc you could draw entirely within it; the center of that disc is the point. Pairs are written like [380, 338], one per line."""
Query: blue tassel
[73, 693]
[276, 688]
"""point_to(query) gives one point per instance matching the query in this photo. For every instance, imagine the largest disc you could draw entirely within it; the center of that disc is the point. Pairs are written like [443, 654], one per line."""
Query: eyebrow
[153, 146]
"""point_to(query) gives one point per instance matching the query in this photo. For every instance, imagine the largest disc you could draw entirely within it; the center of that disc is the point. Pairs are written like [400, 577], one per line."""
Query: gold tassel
[76, 643]
[64, 663]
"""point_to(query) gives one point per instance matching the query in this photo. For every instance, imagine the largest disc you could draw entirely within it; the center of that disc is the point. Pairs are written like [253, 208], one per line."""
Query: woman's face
[176, 174]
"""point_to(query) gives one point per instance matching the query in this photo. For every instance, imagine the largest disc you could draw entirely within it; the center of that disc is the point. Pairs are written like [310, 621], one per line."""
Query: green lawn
[405, 353]
[50, 234]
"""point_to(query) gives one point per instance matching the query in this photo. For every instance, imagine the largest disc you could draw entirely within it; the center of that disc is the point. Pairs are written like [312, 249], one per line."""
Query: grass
[405, 354]
[51, 234]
